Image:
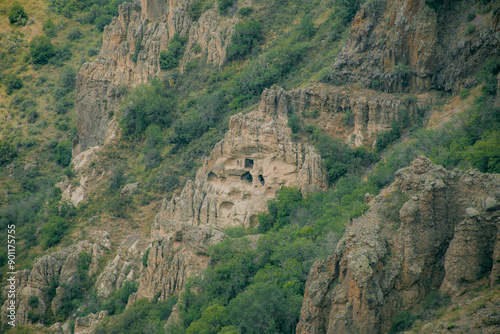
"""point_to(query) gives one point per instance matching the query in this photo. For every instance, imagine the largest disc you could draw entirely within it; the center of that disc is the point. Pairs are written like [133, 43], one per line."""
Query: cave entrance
[212, 176]
[261, 179]
[249, 163]
[247, 177]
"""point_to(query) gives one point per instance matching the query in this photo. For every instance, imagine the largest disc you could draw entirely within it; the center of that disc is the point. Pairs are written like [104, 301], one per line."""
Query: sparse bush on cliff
[246, 36]
[17, 15]
[41, 50]
[63, 153]
[146, 105]
[170, 58]
[7, 152]
[49, 28]
[224, 5]
[12, 82]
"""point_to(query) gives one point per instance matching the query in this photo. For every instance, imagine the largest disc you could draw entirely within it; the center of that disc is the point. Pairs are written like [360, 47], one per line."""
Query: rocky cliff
[53, 277]
[131, 47]
[256, 157]
[447, 239]
[404, 45]
[372, 111]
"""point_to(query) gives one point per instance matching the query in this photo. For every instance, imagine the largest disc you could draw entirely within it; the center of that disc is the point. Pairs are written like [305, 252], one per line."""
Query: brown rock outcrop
[53, 274]
[404, 45]
[372, 111]
[447, 239]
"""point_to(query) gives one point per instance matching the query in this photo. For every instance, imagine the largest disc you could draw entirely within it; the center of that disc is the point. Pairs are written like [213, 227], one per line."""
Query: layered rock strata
[448, 239]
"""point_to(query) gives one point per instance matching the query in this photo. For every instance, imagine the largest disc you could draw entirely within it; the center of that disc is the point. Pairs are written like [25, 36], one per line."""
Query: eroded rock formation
[256, 157]
[447, 240]
[53, 276]
[404, 45]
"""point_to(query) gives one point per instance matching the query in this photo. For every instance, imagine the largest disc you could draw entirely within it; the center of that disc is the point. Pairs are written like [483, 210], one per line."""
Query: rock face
[131, 47]
[256, 157]
[377, 271]
[52, 277]
[126, 265]
[403, 45]
[372, 111]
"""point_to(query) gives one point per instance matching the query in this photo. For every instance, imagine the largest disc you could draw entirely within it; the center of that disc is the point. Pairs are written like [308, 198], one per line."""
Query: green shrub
[170, 58]
[485, 153]
[137, 50]
[17, 15]
[13, 82]
[118, 179]
[246, 11]
[53, 231]
[64, 104]
[61, 54]
[144, 106]
[294, 123]
[63, 153]
[387, 137]
[347, 9]
[102, 21]
[471, 28]
[142, 317]
[348, 118]
[307, 28]
[402, 322]
[116, 302]
[464, 93]
[41, 50]
[224, 5]
[49, 28]
[67, 78]
[75, 34]
[196, 9]
[145, 258]
[246, 36]
[33, 301]
[488, 74]
[188, 128]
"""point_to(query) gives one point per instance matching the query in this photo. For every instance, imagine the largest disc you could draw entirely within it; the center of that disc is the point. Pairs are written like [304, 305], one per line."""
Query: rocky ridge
[447, 240]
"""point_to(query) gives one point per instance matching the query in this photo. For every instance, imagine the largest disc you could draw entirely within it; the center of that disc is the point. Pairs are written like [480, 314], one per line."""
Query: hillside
[202, 166]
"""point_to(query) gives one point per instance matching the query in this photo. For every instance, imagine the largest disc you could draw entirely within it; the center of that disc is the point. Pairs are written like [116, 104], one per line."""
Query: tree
[246, 36]
[63, 153]
[7, 152]
[41, 50]
[212, 320]
[49, 28]
[53, 231]
[13, 82]
[265, 308]
[17, 15]
[307, 28]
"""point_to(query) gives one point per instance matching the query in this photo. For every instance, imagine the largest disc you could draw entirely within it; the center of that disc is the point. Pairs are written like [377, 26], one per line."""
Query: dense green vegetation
[256, 284]
[17, 15]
